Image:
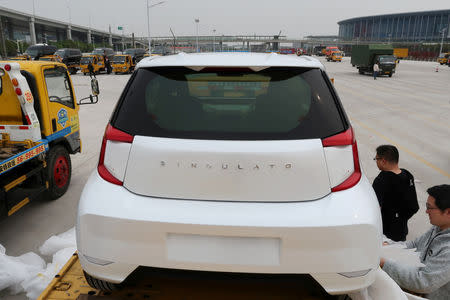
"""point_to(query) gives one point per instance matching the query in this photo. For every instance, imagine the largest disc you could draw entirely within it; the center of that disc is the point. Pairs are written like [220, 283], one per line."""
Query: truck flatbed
[11, 157]
[70, 283]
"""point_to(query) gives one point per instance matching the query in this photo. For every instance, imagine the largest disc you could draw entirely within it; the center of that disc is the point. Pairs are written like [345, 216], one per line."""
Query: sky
[295, 19]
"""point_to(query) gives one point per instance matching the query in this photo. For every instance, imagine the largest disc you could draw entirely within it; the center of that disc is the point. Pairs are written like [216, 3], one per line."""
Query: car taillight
[346, 138]
[111, 134]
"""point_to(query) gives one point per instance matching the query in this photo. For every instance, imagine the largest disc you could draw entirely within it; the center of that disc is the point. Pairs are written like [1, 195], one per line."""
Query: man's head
[438, 205]
[387, 157]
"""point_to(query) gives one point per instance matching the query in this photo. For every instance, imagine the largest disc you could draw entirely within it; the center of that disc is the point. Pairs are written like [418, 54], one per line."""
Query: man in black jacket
[396, 193]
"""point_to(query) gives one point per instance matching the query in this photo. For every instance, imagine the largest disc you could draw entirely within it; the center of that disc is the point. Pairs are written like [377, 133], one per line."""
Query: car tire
[101, 284]
[390, 74]
[59, 171]
[360, 71]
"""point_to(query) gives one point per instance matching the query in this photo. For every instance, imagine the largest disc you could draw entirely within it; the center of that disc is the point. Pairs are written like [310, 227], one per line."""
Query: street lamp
[214, 40]
[148, 23]
[442, 40]
[197, 21]
[70, 13]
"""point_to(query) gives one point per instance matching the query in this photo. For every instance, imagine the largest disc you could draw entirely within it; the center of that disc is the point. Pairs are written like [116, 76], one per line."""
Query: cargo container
[401, 52]
[365, 56]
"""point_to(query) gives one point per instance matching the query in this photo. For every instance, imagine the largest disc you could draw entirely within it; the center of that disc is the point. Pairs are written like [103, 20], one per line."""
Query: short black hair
[388, 152]
[441, 193]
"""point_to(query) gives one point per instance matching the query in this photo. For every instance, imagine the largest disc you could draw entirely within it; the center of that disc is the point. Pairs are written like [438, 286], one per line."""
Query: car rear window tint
[276, 103]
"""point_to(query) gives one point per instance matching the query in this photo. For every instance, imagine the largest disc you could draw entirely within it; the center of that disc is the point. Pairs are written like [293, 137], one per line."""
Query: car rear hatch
[228, 135]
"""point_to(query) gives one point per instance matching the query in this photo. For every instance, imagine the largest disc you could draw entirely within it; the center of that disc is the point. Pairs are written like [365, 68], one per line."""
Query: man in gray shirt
[433, 279]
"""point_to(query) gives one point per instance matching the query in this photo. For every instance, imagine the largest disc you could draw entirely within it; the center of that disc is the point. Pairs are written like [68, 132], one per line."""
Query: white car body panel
[315, 237]
[292, 170]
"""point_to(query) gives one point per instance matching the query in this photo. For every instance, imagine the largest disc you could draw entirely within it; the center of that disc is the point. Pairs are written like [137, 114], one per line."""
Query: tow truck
[39, 128]
[122, 63]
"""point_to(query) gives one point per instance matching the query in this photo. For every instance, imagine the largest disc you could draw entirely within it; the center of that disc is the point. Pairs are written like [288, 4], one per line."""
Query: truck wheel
[390, 74]
[59, 171]
[101, 284]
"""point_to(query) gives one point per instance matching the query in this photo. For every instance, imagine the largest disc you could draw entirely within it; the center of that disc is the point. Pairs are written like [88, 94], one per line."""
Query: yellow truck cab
[21, 57]
[97, 63]
[443, 58]
[55, 58]
[123, 63]
[39, 128]
[336, 56]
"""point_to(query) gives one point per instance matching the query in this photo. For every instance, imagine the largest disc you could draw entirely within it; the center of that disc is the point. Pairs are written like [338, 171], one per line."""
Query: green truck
[365, 56]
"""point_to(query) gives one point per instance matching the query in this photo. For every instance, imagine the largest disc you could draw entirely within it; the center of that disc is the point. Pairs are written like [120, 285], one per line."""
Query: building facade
[415, 27]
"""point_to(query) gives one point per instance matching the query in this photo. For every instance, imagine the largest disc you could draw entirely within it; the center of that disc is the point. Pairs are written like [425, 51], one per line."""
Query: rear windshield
[276, 104]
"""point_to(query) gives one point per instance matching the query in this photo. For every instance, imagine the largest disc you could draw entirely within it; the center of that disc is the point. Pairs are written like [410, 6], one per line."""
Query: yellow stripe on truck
[15, 182]
[18, 206]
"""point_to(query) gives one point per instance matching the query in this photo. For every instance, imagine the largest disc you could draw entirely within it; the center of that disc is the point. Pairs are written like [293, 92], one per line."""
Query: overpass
[16, 25]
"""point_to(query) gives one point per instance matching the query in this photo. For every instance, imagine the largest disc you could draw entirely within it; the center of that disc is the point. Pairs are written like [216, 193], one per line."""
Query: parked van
[108, 52]
[71, 57]
[136, 53]
[38, 50]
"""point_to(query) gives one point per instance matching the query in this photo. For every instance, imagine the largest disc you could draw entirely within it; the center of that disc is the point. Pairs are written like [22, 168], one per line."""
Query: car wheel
[59, 171]
[390, 74]
[101, 284]
[360, 71]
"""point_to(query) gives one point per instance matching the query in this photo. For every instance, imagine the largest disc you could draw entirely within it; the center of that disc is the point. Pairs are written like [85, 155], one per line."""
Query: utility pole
[148, 23]
[197, 21]
[214, 40]
[174, 40]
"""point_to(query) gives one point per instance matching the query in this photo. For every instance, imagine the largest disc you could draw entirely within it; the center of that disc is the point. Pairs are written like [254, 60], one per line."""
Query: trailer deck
[70, 283]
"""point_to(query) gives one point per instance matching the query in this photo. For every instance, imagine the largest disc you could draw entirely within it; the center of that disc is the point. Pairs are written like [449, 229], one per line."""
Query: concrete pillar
[89, 39]
[110, 36]
[69, 32]
[32, 31]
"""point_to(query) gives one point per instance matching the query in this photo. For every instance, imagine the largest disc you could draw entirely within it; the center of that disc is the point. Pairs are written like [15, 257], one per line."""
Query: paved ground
[411, 110]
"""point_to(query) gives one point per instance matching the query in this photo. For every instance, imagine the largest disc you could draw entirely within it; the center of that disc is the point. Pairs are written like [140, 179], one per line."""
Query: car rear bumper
[339, 233]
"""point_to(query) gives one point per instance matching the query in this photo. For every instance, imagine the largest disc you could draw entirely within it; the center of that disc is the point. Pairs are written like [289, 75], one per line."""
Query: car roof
[255, 61]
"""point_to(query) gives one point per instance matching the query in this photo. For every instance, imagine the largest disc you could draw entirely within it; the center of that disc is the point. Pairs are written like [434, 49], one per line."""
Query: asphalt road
[410, 110]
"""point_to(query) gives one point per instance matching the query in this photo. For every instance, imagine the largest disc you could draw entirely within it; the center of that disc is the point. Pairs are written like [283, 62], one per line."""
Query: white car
[230, 162]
